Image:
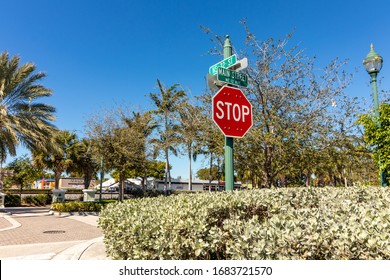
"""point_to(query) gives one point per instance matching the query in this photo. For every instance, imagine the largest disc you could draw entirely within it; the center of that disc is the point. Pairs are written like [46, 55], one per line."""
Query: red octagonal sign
[232, 112]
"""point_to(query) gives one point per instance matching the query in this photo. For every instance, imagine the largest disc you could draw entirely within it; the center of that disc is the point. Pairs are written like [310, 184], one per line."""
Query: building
[64, 183]
[44, 184]
[176, 184]
[197, 185]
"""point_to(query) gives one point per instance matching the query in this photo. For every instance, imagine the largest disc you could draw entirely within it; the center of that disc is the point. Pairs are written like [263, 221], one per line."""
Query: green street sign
[232, 77]
[226, 63]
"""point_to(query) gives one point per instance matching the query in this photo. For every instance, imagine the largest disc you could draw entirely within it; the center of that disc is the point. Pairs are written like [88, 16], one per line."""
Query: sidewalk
[32, 234]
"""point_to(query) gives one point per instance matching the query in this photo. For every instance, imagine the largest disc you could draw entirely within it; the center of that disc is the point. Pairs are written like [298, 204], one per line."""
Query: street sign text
[226, 63]
[232, 112]
[232, 77]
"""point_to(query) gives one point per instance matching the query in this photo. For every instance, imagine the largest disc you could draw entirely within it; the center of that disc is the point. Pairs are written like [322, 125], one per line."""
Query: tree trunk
[211, 172]
[144, 178]
[331, 181]
[267, 166]
[166, 170]
[283, 181]
[308, 178]
[321, 180]
[121, 186]
[57, 177]
[345, 178]
[87, 181]
[253, 181]
[189, 168]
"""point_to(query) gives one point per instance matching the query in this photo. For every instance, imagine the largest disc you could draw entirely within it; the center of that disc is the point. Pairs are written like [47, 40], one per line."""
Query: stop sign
[232, 112]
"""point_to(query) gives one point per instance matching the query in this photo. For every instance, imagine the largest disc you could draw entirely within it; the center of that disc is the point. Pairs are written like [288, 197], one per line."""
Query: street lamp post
[373, 64]
[101, 178]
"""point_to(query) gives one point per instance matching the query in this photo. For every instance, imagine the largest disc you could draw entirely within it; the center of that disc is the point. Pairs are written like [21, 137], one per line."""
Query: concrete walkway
[32, 234]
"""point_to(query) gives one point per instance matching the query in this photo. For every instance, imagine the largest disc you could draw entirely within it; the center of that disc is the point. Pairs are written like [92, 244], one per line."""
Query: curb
[14, 224]
[76, 252]
[69, 214]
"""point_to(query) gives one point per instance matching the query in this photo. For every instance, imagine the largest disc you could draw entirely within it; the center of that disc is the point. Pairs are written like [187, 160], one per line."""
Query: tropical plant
[59, 158]
[143, 125]
[23, 120]
[24, 173]
[166, 103]
[190, 131]
[83, 163]
[211, 140]
[204, 173]
[120, 145]
[377, 136]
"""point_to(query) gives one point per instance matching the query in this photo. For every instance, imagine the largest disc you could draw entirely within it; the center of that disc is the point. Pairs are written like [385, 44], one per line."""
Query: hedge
[42, 191]
[300, 223]
[12, 200]
[37, 200]
[80, 206]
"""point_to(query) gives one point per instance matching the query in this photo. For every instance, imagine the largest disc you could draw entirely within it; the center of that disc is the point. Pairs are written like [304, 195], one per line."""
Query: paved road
[4, 223]
[43, 236]
[46, 229]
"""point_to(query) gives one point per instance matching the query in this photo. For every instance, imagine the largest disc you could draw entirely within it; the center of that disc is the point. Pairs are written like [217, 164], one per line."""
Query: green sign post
[232, 77]
[226, 63]
[229, 151]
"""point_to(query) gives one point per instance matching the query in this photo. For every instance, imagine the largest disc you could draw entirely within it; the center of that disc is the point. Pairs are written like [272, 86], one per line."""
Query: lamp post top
[227, 47]
[373, 61]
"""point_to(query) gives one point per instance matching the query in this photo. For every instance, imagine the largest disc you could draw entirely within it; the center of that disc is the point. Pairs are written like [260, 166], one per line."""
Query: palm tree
[190, 133]
[82, 161]
[143, 125]
[23, 120]
[59, 159]
[167, 102]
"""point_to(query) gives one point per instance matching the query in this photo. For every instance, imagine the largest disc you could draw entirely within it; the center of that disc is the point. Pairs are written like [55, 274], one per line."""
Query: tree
[190, 125]
[23, 120]
[59, 158]
[166, 102]
[377, 136]
[297, 109]
[204, 173]
[82, 162]
[211, 140]
[143, 125]
[120, 145]
[24, 173]
[154, 168]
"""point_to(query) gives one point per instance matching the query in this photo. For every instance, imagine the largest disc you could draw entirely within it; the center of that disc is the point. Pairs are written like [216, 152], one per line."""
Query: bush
[29, 191]
[12, 200]
[37, 200]
[300, 223]
[79, 206]
[139, 193]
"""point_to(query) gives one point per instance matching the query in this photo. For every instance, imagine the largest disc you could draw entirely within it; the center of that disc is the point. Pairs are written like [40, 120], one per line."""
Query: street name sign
[240, 65]
[226, 63]
[232, 112]
[232, 77]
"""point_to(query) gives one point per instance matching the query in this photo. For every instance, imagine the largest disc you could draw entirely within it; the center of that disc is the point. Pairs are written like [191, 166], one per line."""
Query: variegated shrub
[299, 223]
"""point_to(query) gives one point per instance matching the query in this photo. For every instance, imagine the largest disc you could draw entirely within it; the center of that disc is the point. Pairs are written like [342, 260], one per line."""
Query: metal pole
[382, 172]
[101, 178]
[229, 141]
[375, 95]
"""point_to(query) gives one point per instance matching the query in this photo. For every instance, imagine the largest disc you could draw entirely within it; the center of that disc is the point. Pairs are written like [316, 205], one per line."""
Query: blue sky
[99, 54]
